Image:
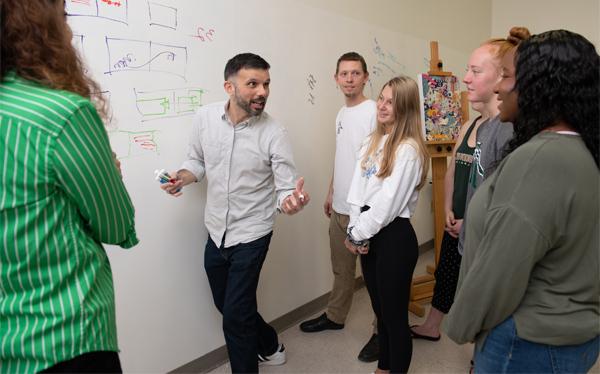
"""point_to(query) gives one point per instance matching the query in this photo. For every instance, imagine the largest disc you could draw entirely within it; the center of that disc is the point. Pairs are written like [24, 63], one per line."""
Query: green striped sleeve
[86, 172]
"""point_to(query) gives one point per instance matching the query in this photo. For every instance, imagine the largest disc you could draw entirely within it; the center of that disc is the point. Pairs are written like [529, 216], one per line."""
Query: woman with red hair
[61, 197]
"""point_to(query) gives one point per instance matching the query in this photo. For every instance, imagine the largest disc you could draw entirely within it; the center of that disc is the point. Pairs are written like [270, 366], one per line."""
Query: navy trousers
[233, 275]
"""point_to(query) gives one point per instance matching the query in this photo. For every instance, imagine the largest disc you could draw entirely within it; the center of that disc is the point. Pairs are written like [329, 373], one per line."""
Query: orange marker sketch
[110, 2]
[114, 10]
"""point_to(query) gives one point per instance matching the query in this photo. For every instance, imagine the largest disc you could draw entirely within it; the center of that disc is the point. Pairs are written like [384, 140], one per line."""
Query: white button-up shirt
[249, 169]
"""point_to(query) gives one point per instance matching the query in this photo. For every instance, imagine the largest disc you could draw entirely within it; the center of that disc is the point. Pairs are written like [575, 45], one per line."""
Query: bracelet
[358, 243]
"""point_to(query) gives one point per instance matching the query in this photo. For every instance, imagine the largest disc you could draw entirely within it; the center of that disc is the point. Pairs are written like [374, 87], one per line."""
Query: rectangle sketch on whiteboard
[168, 103]
[114, 10]
[137, 55]
[134, 143]
[77, 42]
[162, 15]
[440, 106]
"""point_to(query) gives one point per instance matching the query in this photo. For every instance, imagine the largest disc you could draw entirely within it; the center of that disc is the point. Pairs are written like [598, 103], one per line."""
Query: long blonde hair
[407, 127]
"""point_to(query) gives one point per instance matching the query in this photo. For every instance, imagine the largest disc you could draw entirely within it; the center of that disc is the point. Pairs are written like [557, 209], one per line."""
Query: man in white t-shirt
[354, 122]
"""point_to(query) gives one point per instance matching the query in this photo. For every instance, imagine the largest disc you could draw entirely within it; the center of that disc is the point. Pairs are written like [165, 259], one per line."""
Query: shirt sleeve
[492, 285]
[505, 134]
[195, 162]
[85, 170]
[282, 164]
[395, 193]
[354, 185]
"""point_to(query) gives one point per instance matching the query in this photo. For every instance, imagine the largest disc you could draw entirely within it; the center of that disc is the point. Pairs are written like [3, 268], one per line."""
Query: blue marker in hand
[163, 177]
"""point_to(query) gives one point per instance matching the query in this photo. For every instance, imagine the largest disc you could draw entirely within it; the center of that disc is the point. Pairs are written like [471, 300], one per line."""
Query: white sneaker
[277, 358]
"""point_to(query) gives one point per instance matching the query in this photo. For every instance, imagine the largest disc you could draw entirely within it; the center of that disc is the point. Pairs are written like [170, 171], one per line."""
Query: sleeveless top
[462, 171]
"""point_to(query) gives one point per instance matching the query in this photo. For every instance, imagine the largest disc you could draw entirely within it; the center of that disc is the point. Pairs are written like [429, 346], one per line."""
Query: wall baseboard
[218, 357]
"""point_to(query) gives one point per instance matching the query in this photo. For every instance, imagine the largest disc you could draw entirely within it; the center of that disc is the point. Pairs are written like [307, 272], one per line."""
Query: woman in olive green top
[528, 289]
[61, 196]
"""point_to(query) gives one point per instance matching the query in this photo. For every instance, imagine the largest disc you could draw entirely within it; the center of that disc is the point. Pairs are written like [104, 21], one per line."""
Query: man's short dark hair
[245, 61]
[351, 56]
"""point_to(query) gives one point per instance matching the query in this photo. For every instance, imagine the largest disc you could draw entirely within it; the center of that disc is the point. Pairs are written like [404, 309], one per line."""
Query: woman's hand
[355, 249]
[453, 225]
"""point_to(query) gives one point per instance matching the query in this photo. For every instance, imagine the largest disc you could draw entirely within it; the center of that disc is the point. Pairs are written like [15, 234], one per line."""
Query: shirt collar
[248, 122]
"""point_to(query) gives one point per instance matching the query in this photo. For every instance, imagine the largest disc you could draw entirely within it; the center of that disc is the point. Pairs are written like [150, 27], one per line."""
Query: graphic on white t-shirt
[352, 126]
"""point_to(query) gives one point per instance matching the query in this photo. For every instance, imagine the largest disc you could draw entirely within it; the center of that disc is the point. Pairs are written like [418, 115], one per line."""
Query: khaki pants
[343, 264]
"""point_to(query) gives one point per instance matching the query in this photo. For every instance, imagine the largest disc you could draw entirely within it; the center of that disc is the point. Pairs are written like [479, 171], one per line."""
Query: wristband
[358, 243]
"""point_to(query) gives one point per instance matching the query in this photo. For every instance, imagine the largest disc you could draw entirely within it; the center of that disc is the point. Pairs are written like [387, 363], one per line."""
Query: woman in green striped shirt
[61, 196]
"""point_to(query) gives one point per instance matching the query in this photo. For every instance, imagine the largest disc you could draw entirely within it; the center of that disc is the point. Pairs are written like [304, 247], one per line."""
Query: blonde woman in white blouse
[383, 195]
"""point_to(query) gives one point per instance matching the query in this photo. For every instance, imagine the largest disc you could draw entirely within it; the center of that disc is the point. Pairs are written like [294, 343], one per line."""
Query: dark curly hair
[557, 79]
[36, 45]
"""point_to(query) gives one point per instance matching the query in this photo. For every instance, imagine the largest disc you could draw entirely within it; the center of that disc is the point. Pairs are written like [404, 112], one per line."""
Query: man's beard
[246, 105]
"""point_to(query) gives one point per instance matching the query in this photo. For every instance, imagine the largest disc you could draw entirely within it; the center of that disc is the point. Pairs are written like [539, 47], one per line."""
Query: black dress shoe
[319, 324]
[370, 351]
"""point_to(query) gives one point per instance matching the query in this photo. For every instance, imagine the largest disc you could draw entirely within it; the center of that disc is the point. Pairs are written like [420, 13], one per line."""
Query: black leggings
[446, 274]
[388, 269]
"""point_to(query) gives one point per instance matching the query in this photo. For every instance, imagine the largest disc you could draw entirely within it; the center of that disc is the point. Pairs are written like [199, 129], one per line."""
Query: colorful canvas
[440, 106]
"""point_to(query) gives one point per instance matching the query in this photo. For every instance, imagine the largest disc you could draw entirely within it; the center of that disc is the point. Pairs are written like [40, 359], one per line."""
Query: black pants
[388, 269]
[92, 362]
[233, 274]
[446, 274]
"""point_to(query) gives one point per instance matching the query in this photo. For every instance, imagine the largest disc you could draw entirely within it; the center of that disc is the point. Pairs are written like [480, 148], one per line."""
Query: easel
[422, 285]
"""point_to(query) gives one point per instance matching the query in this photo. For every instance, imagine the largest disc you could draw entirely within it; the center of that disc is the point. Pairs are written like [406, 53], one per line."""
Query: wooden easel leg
[416, 308]
[422, 287]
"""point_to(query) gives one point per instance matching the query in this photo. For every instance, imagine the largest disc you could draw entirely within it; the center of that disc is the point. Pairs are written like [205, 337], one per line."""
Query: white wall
[165, 312]
[458, 24]
[298, 268]
[581, 16]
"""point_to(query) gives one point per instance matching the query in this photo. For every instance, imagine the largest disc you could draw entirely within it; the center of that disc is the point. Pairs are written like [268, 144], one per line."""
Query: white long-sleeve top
[388, 198]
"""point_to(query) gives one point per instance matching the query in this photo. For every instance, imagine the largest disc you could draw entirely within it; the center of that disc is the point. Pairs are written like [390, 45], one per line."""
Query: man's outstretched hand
[297, 200]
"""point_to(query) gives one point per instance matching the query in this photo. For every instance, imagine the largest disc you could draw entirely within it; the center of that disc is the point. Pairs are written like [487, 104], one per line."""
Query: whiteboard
[157, 61]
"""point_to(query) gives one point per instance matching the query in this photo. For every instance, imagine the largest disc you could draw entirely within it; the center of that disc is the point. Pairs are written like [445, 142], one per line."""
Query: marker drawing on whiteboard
[312, 82]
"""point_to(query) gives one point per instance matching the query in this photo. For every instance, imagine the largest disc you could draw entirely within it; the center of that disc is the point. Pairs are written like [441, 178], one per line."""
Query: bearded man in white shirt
[247, 159]
[355, 120]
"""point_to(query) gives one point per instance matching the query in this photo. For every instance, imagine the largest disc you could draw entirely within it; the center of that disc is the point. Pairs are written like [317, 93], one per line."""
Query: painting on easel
[440, 106]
